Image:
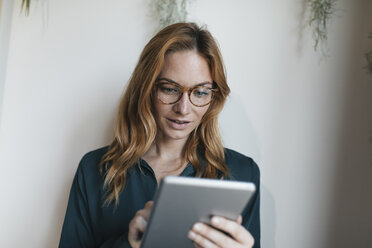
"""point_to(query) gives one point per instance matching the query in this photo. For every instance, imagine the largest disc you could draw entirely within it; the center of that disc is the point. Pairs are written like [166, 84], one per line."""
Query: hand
[208, 237]
[138, 225]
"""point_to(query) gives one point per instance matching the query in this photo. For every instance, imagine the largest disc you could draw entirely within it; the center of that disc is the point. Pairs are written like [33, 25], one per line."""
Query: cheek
[201, 112]
[160, 109]
[156, 109]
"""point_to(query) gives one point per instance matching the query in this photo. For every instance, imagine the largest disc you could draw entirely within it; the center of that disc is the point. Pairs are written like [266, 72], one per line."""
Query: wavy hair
[135, 127]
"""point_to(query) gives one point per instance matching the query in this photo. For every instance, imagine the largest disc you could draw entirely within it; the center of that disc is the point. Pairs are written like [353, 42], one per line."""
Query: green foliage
[320, 14]
[169, 11]
[26, 5]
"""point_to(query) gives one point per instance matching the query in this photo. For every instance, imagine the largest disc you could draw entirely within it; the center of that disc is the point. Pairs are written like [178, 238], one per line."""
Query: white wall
[306, 121]
[5, 23]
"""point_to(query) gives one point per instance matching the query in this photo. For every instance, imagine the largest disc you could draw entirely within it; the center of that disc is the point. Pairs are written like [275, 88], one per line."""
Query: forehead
[187, 68]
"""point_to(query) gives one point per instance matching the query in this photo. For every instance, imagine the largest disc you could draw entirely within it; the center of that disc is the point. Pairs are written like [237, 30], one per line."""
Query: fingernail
[198, 227]
[143, 221]
[191, 235]
[216, 220]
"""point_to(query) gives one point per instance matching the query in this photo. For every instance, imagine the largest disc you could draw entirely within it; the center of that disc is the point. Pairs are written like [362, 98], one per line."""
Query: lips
[178, 124]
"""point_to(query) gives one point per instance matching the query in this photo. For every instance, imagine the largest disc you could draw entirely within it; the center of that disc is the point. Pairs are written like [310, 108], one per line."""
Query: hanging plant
[368, 56]
[167, 12]
[320, 14]
[26, 6]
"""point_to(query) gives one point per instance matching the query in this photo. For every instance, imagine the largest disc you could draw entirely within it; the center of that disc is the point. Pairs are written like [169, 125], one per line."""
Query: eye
[201, 92]
[168, 89]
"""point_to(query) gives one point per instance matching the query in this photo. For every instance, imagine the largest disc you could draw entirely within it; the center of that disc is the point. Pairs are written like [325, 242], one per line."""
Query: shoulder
[241, 167]
[95, 155]
[90, 161]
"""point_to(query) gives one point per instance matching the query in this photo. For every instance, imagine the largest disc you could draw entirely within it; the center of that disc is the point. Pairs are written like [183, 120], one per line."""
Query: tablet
[182, 201]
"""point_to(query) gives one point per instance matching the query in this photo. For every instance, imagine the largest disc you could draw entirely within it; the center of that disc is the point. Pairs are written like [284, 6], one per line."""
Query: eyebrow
[174, 82]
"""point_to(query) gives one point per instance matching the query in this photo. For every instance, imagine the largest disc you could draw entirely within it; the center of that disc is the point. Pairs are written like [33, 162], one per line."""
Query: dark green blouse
[90, 224]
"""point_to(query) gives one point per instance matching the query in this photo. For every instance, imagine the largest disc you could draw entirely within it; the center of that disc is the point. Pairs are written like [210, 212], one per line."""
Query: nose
[183, 106]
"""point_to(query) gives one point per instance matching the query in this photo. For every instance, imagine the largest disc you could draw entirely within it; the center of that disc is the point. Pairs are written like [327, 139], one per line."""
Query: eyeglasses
[169, 92]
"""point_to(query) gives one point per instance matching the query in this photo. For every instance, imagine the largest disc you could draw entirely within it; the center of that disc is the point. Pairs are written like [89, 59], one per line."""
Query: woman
[166, 125]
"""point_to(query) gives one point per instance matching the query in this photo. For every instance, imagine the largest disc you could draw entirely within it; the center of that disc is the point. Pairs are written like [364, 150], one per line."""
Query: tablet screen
[182, 201]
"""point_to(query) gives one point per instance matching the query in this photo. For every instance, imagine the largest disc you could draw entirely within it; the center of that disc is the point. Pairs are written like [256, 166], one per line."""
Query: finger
[200, 241]
[197, 246]
[149, 204]
[139, 221]
[147, 209]
[213, 235]
[136, 229]
[237, 231]
[239, 220]
[145, 213]
[137, 225]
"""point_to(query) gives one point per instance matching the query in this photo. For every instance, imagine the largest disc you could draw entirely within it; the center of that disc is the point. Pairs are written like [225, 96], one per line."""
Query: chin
[178, 136]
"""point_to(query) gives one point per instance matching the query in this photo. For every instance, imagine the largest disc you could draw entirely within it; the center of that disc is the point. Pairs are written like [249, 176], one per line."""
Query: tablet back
[182, 201]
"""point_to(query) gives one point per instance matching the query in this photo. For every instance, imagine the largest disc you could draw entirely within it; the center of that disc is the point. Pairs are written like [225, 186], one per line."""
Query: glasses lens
[201, 95]
[168, 93]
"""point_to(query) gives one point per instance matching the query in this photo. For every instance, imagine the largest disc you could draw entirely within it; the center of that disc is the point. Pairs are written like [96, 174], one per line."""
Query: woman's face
[188, 69]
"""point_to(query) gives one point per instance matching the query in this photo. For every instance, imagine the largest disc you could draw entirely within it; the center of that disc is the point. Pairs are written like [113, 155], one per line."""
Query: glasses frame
[183, 90]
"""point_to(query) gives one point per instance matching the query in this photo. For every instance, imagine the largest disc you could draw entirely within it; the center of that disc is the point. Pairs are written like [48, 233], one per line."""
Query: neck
[167, 149]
